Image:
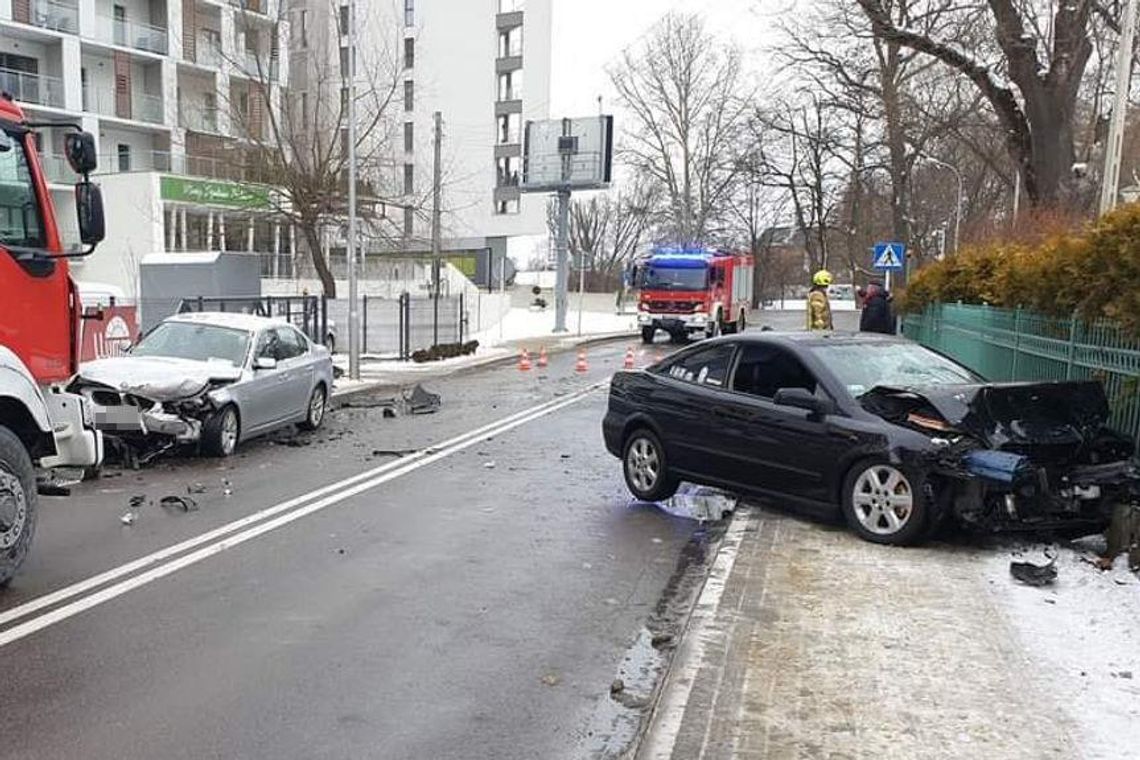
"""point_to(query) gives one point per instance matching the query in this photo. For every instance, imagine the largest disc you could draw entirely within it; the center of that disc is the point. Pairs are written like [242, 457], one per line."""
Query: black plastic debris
[52, 489]
[420, 401]
[196, 488]
[137, 501]
[1034, 575]
[185, 503]
[392, 452]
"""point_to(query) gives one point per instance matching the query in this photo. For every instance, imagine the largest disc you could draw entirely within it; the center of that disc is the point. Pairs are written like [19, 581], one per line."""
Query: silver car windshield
[860, 367]
[189, 340]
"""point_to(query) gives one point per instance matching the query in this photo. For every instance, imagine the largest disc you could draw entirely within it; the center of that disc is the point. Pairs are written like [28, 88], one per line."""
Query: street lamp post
[958, 205]
[353, 313]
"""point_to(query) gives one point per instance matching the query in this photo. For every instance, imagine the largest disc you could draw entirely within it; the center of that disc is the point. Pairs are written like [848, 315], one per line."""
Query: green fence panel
[1014, 344]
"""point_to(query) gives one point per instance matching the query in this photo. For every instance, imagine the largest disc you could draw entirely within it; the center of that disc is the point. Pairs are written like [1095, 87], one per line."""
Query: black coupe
[895, 436]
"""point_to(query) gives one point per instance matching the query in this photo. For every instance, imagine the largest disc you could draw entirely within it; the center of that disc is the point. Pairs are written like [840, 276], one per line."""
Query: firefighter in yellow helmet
[818, 307]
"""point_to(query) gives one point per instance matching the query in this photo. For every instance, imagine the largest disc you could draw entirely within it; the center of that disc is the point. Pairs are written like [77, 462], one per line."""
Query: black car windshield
[862, 366]
[190, 340]
[671, 278]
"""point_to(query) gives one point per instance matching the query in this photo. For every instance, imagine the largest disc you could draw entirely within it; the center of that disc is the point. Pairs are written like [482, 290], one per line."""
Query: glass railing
[253, 6]
[132, 34]
[138, 106]
[32, 88]
[207, 53]
[199, 119]
[60, 15]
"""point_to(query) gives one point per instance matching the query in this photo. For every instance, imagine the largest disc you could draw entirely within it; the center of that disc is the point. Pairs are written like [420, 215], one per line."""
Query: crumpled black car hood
[1015, 415]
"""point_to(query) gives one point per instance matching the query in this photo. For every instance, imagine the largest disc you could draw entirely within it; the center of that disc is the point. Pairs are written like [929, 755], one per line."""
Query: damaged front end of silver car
[1013, 456]
[142, 421]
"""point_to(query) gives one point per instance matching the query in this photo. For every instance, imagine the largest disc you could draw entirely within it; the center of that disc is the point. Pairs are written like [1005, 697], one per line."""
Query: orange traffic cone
[542, 359]
[581, 365]
[628, 363]
[524, 361]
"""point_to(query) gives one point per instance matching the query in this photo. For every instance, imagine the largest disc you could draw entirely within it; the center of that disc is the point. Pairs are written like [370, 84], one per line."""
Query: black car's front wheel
[646, 471]
[885, 503]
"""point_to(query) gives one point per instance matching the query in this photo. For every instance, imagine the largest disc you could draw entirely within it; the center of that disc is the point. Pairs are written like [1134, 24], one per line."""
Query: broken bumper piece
[130, 421]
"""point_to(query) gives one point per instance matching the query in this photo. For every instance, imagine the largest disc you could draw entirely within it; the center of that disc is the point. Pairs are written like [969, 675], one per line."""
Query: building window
[409, 221]
[119, 13]
[344, 141]
[409, 52]
[124, 154]
[510, 86]
[304, 108]
[409, 136]
[409, 177]
[409, 12]
[507, 207]
[303, 28]
[344, 20]
[508, 132]
[344, 62]
[510, 42]
[507, 172]
[344, 99]
[509, 6]
[409, 95]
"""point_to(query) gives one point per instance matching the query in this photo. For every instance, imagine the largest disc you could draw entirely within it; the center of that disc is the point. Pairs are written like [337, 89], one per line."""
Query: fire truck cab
[693, 293]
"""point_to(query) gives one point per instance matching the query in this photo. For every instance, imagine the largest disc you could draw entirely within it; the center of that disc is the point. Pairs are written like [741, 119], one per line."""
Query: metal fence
[398, 327]
[1015, 344]
[310, 314]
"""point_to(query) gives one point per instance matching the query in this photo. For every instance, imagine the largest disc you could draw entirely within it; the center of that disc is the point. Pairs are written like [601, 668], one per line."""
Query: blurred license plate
[118, 418]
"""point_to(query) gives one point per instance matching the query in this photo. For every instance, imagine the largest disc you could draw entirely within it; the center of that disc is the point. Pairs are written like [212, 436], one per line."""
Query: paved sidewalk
[809, 643]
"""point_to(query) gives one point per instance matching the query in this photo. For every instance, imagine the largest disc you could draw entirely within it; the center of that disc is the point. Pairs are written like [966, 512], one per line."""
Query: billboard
[567, 154]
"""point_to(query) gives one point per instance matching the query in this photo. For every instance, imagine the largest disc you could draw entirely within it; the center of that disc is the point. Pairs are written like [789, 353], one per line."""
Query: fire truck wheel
[18, 502]
[648, 334]
[713, 330]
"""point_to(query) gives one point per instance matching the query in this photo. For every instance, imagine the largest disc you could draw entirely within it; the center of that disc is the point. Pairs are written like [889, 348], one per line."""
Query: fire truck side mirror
[89, 212]
[80, 149]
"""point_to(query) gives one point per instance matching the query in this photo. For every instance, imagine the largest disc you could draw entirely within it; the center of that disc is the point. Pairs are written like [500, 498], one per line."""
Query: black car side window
[707, 366]
[763, 370]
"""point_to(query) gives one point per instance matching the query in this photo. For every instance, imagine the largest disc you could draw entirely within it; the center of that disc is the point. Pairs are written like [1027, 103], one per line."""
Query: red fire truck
[41, 426]
[693, 292]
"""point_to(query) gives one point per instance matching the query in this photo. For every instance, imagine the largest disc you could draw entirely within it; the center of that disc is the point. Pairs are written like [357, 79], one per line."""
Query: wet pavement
[478, 601]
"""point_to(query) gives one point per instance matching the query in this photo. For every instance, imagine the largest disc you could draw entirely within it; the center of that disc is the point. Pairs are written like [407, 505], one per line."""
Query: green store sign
[209, 193]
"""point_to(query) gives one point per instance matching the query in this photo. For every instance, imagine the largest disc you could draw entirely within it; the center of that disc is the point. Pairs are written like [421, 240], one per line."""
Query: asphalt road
[473, 600]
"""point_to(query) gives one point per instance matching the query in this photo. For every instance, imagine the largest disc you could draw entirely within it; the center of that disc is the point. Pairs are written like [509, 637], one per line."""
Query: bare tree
[606, 232]
[301, 148]
[1043, 49]
[682, 88]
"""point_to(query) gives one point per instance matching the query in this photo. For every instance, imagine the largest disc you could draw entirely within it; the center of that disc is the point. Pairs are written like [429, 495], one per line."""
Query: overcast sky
[590, 34]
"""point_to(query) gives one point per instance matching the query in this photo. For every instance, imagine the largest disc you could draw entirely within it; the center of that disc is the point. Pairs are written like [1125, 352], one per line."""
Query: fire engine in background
[693, 292]
[41, 426]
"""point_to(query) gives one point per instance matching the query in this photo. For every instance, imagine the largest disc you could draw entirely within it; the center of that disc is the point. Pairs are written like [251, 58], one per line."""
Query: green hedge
[1094, 272]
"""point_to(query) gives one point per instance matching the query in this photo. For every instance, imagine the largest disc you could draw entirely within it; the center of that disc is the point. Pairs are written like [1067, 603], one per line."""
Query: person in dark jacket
[878, 317]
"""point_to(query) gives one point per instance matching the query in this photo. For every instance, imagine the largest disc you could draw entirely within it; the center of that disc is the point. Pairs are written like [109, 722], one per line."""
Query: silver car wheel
[644, 464]
[883, 500]
[13, 509]
[317, 407]
[229, 431]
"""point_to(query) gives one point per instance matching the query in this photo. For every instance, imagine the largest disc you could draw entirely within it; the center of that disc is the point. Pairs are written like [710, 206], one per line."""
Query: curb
[484, 363]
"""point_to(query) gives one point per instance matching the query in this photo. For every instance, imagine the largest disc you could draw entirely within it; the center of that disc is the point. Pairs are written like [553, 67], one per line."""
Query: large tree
[682, 88]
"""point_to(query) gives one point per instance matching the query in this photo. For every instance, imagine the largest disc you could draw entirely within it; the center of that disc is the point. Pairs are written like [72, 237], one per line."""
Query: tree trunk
[896, 143]
[312, 235]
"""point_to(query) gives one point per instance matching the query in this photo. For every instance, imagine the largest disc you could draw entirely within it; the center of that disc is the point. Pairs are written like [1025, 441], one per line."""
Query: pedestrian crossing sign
[889, 256]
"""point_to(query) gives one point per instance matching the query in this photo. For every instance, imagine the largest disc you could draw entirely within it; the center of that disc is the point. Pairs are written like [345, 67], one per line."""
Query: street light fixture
[958, 205]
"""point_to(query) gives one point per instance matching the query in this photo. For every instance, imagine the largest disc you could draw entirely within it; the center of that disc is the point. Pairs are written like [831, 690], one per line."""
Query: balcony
[198, 119]
[132, 34]
[251, 6]
[208, 52]
[135, 106]
[35, 89]
[58, 15]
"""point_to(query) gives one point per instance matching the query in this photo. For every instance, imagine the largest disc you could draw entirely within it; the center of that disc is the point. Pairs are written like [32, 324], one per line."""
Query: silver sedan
[213, 379]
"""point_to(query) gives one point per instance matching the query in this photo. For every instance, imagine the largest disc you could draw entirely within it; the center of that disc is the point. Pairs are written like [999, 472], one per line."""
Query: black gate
[309, 314]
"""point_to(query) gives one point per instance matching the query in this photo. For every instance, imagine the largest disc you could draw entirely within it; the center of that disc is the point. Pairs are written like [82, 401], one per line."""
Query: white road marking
[665, 722]
[283, 514]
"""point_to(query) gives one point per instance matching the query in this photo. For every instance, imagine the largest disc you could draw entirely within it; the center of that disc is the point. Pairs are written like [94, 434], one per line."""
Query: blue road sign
[889, 256]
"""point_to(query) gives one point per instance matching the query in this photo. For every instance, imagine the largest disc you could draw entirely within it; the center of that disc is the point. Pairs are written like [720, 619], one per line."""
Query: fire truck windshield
[20, 223]
[672, 278]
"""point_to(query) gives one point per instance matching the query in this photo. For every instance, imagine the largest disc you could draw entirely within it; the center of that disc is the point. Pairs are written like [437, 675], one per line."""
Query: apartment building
[173, 91]
[485, 66]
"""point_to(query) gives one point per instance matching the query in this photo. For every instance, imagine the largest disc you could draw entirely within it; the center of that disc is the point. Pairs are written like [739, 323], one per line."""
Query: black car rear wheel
[648, 334]
[646, 470]
[885, 503]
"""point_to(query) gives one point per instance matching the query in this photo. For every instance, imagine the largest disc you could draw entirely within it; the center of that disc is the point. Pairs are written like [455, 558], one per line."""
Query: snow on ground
[524, 324]
[1082, 637]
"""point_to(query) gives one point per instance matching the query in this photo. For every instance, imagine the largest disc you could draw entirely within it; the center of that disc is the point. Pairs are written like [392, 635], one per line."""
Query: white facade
[155, 82]
[485, 65]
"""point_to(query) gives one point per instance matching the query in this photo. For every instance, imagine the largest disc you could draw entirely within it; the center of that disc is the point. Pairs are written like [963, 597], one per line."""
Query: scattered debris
[52, 489]
[1123, 536]
[702, 503]
[565, 456]
[1034, 575]
[488, 465]
[227, 487]
[340, 551]
[1125, 674]
[420, 401]
[392, 452]
[389, 413]
[128, 518]
[551, 679]
[661, 640]
[137, 501]
[196, 488]
[295, 442]
[617, 687]
[185, 503]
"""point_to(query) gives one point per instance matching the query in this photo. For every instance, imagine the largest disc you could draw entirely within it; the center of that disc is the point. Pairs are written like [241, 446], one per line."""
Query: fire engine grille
[674, 307]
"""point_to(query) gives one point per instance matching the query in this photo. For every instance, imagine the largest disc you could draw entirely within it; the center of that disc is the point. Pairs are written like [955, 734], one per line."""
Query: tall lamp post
[958, 205]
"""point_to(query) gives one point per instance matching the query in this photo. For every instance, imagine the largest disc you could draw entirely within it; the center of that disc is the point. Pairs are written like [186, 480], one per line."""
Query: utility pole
[436, 180]
[353, 296]
[1110, 188]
